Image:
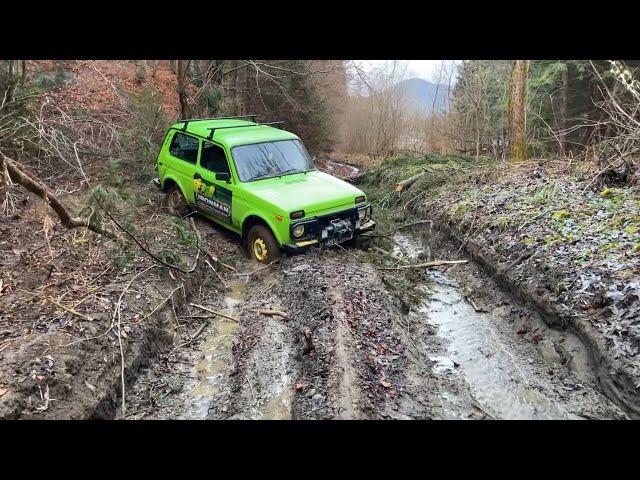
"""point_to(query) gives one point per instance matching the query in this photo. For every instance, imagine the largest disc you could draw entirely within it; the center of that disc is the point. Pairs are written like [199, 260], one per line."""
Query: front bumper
[299, 247]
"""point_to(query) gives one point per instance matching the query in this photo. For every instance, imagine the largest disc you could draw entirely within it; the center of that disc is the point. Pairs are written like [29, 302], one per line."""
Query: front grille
[314, 228]
[350, 214]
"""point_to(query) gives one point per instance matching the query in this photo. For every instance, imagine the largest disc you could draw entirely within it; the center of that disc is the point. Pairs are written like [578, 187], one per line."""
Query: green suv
[260, 182]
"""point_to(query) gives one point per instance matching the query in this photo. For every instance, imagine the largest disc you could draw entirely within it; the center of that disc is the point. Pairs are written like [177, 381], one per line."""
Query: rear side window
[184, 147]
[213, 158]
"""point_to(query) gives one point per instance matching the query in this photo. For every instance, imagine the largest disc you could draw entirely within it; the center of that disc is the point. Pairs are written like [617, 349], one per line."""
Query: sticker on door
[212, 198]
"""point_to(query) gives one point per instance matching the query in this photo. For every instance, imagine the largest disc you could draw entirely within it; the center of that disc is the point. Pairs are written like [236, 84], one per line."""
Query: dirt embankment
[548, 233]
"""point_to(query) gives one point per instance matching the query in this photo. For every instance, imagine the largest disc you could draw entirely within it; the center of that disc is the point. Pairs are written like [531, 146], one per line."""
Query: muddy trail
[332, 335]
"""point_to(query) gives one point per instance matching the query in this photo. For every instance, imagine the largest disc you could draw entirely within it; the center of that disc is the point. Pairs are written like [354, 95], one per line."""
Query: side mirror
[223, 177]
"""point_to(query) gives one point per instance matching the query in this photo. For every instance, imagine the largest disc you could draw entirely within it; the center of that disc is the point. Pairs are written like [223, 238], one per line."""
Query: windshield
[270, 159]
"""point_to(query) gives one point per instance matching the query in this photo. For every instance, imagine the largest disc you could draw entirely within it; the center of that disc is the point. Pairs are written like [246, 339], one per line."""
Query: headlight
[298, 231]
[362, 213]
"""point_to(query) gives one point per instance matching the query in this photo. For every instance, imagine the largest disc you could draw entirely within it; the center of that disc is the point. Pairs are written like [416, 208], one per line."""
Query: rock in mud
[548, 351]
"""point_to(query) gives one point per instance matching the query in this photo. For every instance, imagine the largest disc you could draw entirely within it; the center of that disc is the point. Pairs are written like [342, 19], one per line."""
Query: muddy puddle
[215, 360]
[507, 377]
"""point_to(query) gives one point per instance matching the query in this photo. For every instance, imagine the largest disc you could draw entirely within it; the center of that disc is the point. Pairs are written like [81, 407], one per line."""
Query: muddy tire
[175, 203]
[262, 245]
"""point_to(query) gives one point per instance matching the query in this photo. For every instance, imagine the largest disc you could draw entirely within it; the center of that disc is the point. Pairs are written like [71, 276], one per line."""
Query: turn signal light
[360, 199]
[298, 214]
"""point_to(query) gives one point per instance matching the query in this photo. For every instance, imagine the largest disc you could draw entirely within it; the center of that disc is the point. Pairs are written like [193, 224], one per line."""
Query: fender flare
[177, 182]
[268, 223]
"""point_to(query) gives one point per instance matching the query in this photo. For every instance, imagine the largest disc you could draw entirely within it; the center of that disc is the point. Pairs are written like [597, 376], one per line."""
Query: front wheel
[262, 245]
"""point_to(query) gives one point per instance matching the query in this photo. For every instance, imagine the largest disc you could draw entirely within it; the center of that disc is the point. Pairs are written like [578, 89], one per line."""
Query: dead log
[274, 313]
[37, 187]
[435, 263]
[219, 314]
[400, 186]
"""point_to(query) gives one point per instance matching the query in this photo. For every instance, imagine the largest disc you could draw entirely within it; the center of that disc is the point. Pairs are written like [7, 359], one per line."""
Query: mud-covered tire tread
[273, 249]
[180, 210]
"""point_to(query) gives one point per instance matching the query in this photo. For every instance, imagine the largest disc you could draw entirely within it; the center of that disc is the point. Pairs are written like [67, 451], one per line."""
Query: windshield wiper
[278, 174]
[287, 171]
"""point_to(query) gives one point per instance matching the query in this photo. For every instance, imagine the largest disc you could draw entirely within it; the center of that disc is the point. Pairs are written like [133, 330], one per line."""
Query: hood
[312, 192]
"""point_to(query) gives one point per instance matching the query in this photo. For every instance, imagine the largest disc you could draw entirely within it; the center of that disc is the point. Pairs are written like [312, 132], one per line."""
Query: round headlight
[298, 231]
[362, 213]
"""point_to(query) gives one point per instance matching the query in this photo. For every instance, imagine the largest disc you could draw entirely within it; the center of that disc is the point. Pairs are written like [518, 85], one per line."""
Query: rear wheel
[262, 245]
[175, 202]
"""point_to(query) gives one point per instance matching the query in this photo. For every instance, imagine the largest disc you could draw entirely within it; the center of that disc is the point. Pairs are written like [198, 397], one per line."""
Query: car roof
[233, 132]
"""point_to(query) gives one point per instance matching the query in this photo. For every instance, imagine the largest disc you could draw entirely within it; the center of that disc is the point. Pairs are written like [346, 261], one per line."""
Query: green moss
[458, 210]
[610, 246]
[542, 195]
[561, 214]
[631, 229]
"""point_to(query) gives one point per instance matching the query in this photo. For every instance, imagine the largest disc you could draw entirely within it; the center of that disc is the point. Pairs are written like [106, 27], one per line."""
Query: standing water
[216, 354]
[504, 373]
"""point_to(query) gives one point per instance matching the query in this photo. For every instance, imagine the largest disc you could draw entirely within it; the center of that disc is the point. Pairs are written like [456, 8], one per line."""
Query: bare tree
[376, 114]
[182, 82]
[517, 111]
[141, 76]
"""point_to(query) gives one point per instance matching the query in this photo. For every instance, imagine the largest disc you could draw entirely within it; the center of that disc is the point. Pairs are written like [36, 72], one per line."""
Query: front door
[214, 195]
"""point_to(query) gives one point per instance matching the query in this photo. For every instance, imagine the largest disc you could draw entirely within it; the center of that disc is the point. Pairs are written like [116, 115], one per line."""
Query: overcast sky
[426, 69]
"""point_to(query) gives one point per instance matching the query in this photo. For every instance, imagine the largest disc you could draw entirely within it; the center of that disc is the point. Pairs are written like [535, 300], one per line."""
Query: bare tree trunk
[141, 76]
[477, 134]
[182, 79]
[517, 111]
[562, 113]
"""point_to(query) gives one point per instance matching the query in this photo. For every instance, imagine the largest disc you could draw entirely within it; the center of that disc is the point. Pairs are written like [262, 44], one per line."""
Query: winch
[338, 231]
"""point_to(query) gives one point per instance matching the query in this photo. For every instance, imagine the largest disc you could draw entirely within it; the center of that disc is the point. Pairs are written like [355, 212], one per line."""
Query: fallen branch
[70, 310]
[275, 313]
[435, 263]
[389, 254]
[191, 340]
[160, 261]
[35, 186]
[160, 304]
[473, 304]
[217, 274]
[408, 182]
[223, 315]
[215, 259]
[258, 269]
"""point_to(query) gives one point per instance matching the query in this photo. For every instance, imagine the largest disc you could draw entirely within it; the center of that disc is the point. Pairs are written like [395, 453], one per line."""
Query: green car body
[213, 163]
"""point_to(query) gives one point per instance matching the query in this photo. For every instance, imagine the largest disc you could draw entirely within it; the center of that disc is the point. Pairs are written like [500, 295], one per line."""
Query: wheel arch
[253, 219]
[169, 181]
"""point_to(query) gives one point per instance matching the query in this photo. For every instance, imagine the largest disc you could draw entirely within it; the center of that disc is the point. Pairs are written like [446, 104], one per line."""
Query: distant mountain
[423, 96]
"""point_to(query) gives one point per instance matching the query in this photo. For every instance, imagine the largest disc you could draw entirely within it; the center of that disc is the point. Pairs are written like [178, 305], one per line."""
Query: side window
[213, 158]
[184, 147]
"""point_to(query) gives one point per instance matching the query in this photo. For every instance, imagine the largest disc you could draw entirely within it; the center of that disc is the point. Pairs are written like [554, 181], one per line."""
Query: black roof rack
[213, 129]
[187, 121]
